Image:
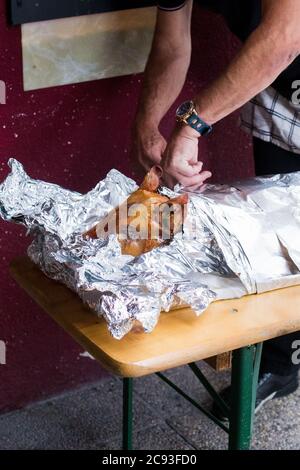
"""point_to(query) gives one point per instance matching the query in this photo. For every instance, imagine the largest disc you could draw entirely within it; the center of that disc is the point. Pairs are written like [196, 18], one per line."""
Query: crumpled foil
[237, 240]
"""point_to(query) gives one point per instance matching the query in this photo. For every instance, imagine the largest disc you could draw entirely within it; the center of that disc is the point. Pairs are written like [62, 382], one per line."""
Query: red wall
[72, 135]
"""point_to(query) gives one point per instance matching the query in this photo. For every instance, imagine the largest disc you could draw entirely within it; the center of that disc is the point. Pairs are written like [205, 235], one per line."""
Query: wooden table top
[180, 336]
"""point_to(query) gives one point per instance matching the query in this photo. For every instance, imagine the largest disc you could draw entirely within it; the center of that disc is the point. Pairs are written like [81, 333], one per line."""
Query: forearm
[268, 51]
[163, 80]
[167, 65]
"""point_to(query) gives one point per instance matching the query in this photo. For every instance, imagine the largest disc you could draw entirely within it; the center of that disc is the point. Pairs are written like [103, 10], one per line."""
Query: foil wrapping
[237, 240]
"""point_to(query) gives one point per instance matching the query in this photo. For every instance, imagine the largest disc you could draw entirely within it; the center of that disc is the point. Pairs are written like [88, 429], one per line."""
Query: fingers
[190, 183]
[187, 169]
[146, 164]
[186, 173]
[148, 161]
[197, 180]
[169, 181]
[148, 148]
[157, 169]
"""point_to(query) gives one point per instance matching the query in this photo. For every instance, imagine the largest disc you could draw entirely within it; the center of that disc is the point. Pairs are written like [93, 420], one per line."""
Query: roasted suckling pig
[145, 220]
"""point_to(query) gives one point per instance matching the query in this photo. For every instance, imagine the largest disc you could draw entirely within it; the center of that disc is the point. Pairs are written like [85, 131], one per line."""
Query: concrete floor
[90, 418]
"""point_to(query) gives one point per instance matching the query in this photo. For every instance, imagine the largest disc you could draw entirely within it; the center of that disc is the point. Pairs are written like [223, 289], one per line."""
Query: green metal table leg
[127, 413]
[244, 375]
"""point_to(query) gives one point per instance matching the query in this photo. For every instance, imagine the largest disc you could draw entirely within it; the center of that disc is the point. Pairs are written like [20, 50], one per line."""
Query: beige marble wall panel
[79, 49]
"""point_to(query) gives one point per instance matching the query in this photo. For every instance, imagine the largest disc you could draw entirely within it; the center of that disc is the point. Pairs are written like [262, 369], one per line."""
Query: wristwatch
[187, 113]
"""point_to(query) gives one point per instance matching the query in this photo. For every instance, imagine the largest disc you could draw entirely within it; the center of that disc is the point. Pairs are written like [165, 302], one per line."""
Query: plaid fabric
[272, 118]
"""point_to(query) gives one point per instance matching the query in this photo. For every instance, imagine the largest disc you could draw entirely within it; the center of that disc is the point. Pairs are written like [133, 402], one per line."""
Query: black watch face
[184, 108]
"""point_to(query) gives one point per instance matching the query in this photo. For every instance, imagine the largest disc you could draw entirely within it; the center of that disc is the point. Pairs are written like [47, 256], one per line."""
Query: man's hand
[148, 146]
[180, 160]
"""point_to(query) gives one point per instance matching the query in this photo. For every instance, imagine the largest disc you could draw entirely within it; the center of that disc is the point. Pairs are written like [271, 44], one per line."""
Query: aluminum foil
[237, 240]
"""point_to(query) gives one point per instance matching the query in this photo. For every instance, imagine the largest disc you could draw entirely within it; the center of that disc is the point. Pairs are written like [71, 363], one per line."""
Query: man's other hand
[180, 160]
[148, 147]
